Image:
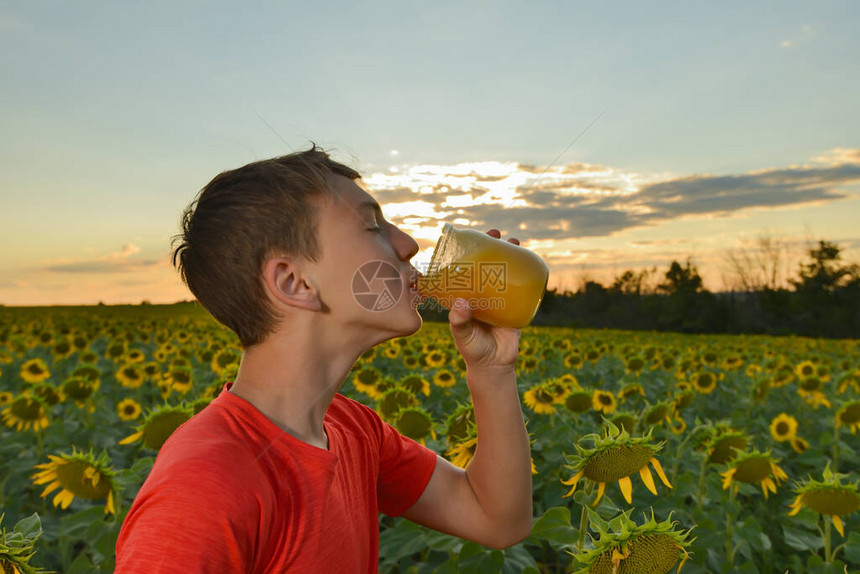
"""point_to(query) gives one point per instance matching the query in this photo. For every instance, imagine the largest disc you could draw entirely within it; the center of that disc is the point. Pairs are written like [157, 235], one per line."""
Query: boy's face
[364, 275]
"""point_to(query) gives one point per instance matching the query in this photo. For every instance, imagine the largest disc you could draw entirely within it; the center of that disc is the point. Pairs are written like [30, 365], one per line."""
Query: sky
[606, 136]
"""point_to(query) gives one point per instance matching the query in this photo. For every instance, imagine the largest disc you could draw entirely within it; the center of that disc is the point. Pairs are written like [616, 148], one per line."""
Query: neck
[293, 379]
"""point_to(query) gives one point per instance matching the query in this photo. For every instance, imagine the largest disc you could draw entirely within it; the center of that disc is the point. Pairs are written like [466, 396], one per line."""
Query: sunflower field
[652, 452]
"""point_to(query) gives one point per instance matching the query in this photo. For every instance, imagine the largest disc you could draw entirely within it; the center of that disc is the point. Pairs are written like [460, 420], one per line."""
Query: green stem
[835, 451]
[583, 519]
[828, 557]
[702, 469]
[40, 446]
[730, 555]
[681, 447]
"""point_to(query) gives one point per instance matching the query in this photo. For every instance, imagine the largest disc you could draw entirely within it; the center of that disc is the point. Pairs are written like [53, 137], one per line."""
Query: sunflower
[816, 399]
[616, 457]
[704, 382]
[799, 444]
[630, 390]
[435, 359]
[78, 474]
[849, 415]
[223, 359]
[414, 422]
[444, 379]
[411, 362]
[682, 400]
[723, 443]
[579, 401]
[540, 399]
[35, 371]
[19, 546]
[62, 349]
[678, 426]
[624, 420]
[754, 467]
[627, 548]
[393, 400]
[415, 384]
[158, 426]
[88, 372]
[6, 398]
[179, 379]
[79, 389]
[115, 350]
[783, 427]
[634, 365]
[26, 412]
[828, 497]
[732, 362]
[89, 357]
[572, 360]
[462, 452]
[805, 369]
[391, 352]
[130, 376]
[657, 414]
[365, 380]
[460, 423]
[603, 401]
[50, 394]
[128, 409]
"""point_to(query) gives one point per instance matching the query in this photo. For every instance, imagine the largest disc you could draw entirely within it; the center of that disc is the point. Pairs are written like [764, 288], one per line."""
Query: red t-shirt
[231, 492]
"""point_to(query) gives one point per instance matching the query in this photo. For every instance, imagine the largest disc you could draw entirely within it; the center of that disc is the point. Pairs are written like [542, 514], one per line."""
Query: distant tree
[631, 283]
[681, 280]
[760, 266]
[825, 273]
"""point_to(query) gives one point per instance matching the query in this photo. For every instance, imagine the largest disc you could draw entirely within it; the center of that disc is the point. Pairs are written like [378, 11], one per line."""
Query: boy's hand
[483, 346]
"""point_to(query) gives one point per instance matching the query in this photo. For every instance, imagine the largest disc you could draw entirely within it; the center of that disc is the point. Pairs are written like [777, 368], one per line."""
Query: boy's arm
[490, 502]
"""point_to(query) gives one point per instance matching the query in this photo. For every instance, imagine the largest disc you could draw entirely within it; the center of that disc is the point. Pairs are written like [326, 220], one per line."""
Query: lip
[411, 279]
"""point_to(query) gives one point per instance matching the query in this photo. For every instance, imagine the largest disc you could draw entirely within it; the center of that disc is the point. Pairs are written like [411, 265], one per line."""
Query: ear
[286, 284]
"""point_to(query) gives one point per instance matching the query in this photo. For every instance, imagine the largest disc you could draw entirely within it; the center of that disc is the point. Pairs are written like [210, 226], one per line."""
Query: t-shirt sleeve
[186, 519]
[405, 468]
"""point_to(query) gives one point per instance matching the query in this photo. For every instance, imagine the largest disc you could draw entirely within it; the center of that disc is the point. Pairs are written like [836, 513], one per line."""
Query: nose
[406, 247]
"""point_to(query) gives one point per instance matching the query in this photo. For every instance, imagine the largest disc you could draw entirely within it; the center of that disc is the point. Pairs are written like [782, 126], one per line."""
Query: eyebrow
[372, 204]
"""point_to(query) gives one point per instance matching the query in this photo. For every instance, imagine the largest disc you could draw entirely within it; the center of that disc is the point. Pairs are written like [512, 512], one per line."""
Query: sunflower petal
[659, 468]
[626, 488]
[50, 488]
[130, 439]
[837, 522]
[600, 488]
[727, 477]
[647, 479]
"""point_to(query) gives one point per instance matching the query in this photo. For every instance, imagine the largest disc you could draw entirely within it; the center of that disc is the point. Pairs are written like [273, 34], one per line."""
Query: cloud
[584, 200]
[721, 195]
[119, 261]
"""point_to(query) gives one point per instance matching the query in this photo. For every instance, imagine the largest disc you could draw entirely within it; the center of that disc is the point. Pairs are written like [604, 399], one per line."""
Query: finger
[460, 318]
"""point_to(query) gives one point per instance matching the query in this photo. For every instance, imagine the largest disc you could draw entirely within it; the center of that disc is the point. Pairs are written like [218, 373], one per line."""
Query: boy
[280, 473]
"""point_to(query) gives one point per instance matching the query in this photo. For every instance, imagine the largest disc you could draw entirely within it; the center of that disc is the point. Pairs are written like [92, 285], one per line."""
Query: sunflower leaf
[30, 527]
[554, 527]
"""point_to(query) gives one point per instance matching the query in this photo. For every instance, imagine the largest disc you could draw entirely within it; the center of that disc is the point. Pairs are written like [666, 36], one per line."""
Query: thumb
[460, 317]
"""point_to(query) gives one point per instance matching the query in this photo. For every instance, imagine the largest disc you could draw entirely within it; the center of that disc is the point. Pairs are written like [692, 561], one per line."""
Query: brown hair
[238, 221]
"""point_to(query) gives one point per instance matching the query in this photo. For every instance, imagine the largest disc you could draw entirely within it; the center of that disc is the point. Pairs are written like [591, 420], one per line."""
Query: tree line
[822, 299]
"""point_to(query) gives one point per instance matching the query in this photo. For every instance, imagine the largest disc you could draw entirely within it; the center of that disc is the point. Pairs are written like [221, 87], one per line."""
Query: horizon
[605, 138]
